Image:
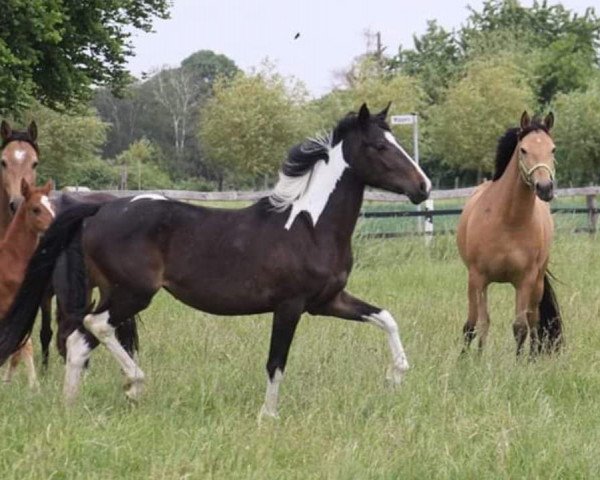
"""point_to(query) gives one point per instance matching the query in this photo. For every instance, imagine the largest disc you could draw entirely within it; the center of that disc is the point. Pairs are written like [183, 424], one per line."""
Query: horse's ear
[364, 115]
[384, 113]
[48, 187]
[25, 189]
[525, 120]
[5, 130]
[549, 121]
[32, 131]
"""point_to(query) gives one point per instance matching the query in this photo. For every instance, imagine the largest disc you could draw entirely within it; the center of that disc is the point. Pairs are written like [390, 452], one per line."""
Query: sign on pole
[403, 119]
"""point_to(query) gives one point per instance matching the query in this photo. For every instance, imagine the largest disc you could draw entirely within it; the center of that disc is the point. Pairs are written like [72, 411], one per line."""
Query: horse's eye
[380, 146]
[553, 150]
[3, 164]
[523, 151]
[34, 166]
[36, 210]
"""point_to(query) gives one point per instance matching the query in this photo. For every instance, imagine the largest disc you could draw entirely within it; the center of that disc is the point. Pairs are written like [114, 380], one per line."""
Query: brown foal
[32, 218]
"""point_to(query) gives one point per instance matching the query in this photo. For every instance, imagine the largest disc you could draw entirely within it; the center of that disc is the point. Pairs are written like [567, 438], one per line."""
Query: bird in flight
[297, 36]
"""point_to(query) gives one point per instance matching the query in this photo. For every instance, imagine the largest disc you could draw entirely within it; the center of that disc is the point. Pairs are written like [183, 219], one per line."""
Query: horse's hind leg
[285, 320]
[46, 328]
[123, 305]
[345, 306]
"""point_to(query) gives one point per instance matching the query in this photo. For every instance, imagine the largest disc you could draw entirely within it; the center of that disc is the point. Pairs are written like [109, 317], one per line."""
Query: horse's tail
[550, 330]
[16, 327]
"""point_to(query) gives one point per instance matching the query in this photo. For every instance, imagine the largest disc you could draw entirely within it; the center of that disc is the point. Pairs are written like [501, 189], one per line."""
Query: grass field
[472, 418]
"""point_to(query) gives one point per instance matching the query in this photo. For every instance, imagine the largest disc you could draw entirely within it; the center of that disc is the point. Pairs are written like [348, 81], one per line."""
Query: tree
[206, 66]
[141, 167]
[248, 124]
[55, 51]
[464, 129]
[577, 134]
[69, 147]
[435, 60]
[563, 45]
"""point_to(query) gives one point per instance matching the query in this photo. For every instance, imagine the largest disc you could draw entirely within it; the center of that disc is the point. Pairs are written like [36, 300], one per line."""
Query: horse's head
[39, 212]
[376, 157]
[19, 161]
[535, 153]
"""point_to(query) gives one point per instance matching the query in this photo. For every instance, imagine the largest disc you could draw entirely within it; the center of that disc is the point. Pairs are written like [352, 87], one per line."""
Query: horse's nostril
[423, 186]
[12, 206]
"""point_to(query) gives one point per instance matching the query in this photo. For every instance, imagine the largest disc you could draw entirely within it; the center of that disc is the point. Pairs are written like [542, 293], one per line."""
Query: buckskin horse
[505, 233]
[289, 253]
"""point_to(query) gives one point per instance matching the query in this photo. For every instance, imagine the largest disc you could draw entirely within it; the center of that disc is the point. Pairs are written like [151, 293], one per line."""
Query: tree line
[205, 124]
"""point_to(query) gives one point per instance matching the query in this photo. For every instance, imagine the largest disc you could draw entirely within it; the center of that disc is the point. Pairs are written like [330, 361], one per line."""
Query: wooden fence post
[590, 201]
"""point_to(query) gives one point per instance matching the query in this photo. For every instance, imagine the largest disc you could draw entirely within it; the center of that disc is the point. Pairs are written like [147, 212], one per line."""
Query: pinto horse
[31, 220]
[505, 233]
[289, 253]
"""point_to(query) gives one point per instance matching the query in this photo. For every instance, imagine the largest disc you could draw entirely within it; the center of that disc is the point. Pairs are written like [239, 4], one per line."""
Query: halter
[527, 174]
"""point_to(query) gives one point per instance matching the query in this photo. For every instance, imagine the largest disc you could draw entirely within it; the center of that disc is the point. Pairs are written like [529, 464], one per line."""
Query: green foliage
[142, 162]
[464, 129]
[577, 135]
[251, 121]
[69, 145]
[565, 43]
[377, 88]
[55, 50]
[206, 66]
[434, 61]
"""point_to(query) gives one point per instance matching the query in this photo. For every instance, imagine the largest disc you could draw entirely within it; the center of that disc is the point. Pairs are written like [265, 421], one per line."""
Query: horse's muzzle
[420, 194]
[545, 190]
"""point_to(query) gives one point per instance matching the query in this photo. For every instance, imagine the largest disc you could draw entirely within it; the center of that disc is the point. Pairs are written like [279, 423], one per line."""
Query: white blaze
[390, 138]
[20, 155]
[45, 201]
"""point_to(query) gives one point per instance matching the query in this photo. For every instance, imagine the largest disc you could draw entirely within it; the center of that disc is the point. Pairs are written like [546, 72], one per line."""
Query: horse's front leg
[523, 311]
[285, 319]
[344, 305]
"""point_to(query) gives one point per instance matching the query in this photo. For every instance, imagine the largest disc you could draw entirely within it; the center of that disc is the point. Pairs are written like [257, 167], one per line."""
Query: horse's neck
[5, 216]
[516, 199]
[20, 239]
[343, 208]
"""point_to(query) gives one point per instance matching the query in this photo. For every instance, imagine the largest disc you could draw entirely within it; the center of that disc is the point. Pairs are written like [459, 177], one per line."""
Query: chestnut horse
[505, 233]
[32, 219]
[288, 254]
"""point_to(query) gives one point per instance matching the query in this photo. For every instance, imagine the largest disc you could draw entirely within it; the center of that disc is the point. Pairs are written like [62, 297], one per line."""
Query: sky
[332, 32]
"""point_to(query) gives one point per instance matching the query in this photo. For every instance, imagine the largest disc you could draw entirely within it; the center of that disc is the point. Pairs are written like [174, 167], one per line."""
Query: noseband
[527, 173]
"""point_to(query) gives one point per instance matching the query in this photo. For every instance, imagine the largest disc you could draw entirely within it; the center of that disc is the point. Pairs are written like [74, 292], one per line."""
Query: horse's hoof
[395, 374]
[266, 414]
[134, 388]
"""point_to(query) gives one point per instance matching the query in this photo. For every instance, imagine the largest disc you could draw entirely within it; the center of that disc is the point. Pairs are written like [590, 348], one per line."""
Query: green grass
[471, 418]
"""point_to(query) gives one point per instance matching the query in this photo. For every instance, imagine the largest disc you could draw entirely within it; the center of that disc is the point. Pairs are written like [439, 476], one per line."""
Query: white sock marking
[323, 180]
[390, 138]
[78, 351]
[148, 196]
[269, 408]
[103, 331]
[384, 320]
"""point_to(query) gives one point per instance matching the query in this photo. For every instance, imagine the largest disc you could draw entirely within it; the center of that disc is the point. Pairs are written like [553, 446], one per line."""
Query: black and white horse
[288, 254]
